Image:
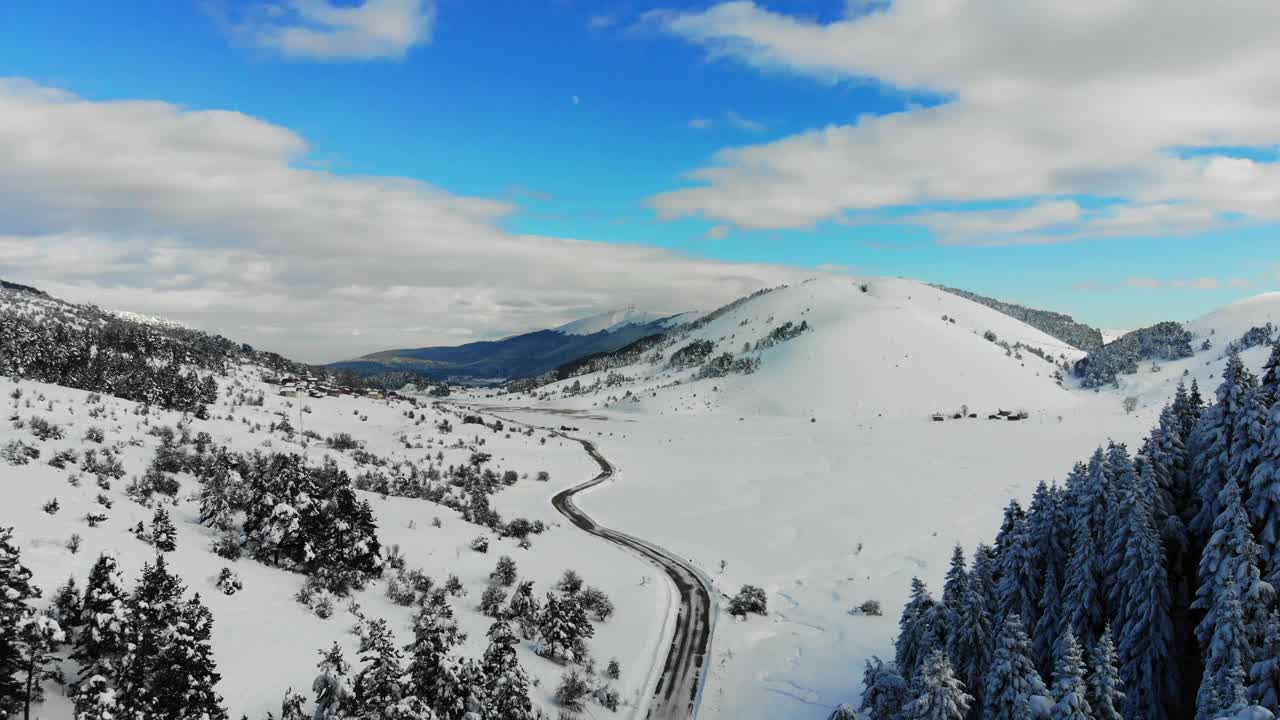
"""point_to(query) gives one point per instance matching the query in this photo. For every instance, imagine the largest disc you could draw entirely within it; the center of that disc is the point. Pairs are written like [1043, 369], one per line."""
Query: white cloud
[1204, 283]
[325, 30]
[1043, 99]
[1239, 283]
[743, 123]
[700, 123]
[209, 217]
[602, 21]
[717, 232]
[1145, 283]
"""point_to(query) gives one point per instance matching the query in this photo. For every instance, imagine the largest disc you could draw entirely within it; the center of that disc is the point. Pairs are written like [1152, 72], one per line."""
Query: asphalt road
[679, 687]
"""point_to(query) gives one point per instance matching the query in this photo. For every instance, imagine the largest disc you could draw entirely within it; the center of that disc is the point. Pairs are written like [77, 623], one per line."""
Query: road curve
[679, 687]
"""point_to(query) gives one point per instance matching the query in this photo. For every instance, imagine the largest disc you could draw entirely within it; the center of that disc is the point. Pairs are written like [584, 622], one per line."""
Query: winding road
[679, 687]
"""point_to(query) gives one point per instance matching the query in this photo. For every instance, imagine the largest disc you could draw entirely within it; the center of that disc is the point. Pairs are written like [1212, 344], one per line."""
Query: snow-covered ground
[264, 641]
[822, 477]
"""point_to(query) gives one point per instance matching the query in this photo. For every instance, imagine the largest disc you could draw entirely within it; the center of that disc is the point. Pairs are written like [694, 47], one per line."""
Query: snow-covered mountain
[807, 460]
[522, 355]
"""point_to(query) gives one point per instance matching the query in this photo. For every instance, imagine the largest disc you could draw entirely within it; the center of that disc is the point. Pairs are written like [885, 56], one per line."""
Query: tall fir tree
[1103, 684]
[884, 691]
[1231, 556]
[1264, 676]
[971, 641]
[378, 686]
[1048, 633]
[1264, 496]
[1012, 681]
[1018, 587]
[332, 686]
[39, 635]
[155, 608]
[936, 693]
[1222, 687]
[16, 591]
[434, 635]
[1081, 595]
[1069, 694]
[507, 683]
[186, 677]
[1146, 628]
[163, 534]
[1215, 435]
[912, 630]
[103, 638]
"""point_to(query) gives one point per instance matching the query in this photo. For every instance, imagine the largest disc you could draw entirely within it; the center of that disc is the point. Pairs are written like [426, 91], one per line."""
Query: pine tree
[524, 608]
[1146, 632]
[15, 592]
[1120, 530]
[1264, 496]
[1222, 688]
[434, 635]
[1120, 492]
[1211, 463]
[101, 643]
[39, 634]
[564, 628]
[884, 691]
[984, 569]
[957, 579]
[1231, 556]
[909, 651]
[1103, 683]
[936, 693]
[1167, 453]
[378, 685]
[1018, 587]
[507, 682]
[332, 686]
[1048, 631]
[185, 673]
[1069, 693]
[1264, 676]
[163, 535]
[1081, 596]
[95, 700]
[971, 638]
[155, 609]
[1012, 680]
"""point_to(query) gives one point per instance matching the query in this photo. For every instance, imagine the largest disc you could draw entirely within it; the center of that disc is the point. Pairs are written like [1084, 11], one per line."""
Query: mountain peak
[609, 321]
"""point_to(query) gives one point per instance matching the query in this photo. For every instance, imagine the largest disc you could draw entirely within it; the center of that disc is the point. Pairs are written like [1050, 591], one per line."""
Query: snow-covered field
[820, 476]
[264, 641]
[823, 478]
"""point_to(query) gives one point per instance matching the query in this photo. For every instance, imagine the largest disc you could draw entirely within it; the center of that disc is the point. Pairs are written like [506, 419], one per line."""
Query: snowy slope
[821, 476]
[263, 640]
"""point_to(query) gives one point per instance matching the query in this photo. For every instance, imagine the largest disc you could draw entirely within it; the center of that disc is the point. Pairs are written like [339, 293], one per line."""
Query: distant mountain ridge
[518, 356]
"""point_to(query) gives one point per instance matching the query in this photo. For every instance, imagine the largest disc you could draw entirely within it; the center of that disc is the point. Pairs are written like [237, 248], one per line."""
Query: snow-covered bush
[480, 544]
[750, 599]
[491, 601]
[51, 507]
[573, 690]
[504, 573]
[595, 601]
[17, 452]
[229, 582]
[44, 430]
[569, 583]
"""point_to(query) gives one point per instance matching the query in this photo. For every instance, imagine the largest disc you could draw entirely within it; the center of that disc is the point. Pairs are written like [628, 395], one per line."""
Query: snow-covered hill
[821, 475]
[609, 321]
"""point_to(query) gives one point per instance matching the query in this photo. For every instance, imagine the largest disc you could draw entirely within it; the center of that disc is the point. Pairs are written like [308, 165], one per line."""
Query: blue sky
[584, 116]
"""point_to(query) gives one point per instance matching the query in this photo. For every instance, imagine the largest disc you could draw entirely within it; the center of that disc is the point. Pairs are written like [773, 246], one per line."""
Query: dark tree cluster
[1143, 588]
[144, 654]
[1162, 341]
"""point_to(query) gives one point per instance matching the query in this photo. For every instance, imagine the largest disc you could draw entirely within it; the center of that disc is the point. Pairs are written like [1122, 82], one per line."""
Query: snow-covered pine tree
[971, 639]
[524, 608]
[15, 591]
[983, 573]
[186, 676]
[434, 635]
[332, 687]
[95, 700]
[1167, 453]
[39, 634]
[1222, 687]
[936, 693]
[884, 691]
[155, 609]
[1081, 595]
[1048, 633]
[1103, 682]
[1264, 496]
[1124, 503]
[507, 683]
[1012, 681]
[1018, 587]
[67, 603]
[1013, 517]
[217, 490]
[163, 535]
[915, 615]
[1146, 650]
[564, 628]
[1231, 556]
[103, 637]
[1069, 693]
[1264, 676]
[378, 686]
[956, 580]
[1215, 433]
